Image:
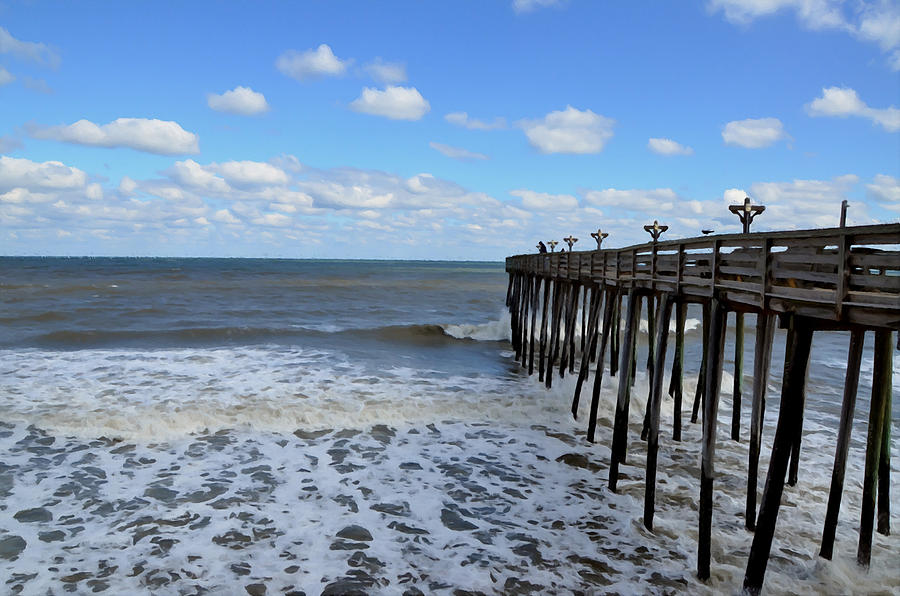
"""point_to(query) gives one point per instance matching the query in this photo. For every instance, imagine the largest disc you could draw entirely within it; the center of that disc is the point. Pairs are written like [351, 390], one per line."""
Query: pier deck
[810, 280]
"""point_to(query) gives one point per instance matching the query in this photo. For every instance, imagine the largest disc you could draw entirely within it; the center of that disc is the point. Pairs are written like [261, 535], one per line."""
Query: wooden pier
[845, 278]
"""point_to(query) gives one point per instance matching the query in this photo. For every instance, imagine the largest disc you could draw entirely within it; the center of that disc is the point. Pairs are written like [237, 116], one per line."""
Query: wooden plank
[886, 259]
[796, 361]
[890, 283]
[851, 385]
[784, 258]
[821, 296]
[727, 269]
[740, 286]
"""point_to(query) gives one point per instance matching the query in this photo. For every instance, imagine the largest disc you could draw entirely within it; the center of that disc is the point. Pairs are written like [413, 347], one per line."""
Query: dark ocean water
[203, 425]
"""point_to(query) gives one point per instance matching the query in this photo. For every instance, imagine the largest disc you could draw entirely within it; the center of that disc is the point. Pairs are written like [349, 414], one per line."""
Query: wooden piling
[701, 376]
[585, 358]
[526, 301]
[534, 309]
[715, 333]
[620, 426]
[653, 304]
[881, 391]
[545, 317]
[614, 337]
[659, 363]
[796, 361]
[795, 448]
[677, 381]
[584, 309]
[611, 307]
[559, 292]
[884, 461]
[851, 386]
[762, 355]
[738, 376]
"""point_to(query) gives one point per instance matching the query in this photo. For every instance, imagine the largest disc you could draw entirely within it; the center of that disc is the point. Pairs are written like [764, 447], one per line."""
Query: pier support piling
[762, 355]
[659, 362]
[620, 426]
[738, 376]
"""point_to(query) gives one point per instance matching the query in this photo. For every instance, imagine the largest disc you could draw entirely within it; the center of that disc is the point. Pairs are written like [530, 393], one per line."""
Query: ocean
[267, 426]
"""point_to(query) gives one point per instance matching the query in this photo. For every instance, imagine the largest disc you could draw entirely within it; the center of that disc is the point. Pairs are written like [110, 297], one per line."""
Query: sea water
[232, 426]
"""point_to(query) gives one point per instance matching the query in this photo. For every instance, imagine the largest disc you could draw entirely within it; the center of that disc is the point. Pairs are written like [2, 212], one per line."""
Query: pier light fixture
[570, 240]
[552, 244]
[655, 230]
[599, 235]
[746, 213]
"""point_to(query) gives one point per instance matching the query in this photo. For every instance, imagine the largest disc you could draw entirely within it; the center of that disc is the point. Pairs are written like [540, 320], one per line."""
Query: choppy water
[234, 426]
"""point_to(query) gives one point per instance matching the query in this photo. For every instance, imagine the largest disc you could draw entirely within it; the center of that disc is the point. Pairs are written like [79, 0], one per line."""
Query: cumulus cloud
[27, 50]
[243, 101]
[141, 134]
[542, 201]
[753, 133]
[646, 200]
[5, 77]
[842, 102]
[876, 22]
[462, 119]
[456, 152]
[668, 147]
[886, 190]
[521, 6]
[396, 103]
[807, 203]
[569, 131]
[48, 175]
[386, 73]
[310, 64]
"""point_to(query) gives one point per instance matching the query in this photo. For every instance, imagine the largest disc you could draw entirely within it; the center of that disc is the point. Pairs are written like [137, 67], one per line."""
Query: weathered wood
[796, 361]
[851, 385]
[881, 391]
[653, 304]
[798, 437]
[612, 302]
[585, 358]
[584, 309]
[884, 460]
[545, 316]
[534, 308]
[614, 347]
[659, 363]
[558, 299]
[526, 301]
[676, 383]
[738, 376]
[701, 376]
[762, 355]
[620, 425]
[716, 341]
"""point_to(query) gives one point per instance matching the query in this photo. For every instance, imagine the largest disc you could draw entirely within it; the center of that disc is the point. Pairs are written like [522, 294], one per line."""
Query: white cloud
[386, 73]
[649, 201]
[141, 134]
[225, 216]
[191, 174]
[456, 152]
[240, 100]
[49, 175]
[311, 63]
[521, 6]
[246, 173]
[8, 144]
[806, 203]
[462, 119]
[28, 50]
[569, 131]
[668, 147]
[876, 22]
[542, 201]
[753, 133]
[127, 186]
[5, 77]
[842, 102]
[885, 189]
[396, 103]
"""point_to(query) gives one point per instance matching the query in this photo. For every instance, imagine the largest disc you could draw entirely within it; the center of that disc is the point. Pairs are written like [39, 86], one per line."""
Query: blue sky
[449, 130]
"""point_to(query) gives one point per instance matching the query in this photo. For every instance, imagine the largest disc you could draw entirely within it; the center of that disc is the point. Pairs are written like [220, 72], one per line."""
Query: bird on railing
[707, 232]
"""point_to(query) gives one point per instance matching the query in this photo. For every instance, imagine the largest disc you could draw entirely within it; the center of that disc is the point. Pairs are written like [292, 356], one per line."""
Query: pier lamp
[570, 241]
[552, 244]
[746, 213]
[599, 235]
[655, 230]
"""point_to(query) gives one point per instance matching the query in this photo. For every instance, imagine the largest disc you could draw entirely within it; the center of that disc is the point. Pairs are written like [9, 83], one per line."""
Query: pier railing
[811, 280]
[850, 275]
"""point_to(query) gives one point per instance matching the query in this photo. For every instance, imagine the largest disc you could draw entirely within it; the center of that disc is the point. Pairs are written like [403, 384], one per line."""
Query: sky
[457, 130]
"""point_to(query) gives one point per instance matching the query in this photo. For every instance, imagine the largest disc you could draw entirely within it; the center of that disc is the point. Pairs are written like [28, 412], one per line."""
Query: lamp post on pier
[599, 235]
[746, 213]
[570, 240]
[655, 230]
[552, 244]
